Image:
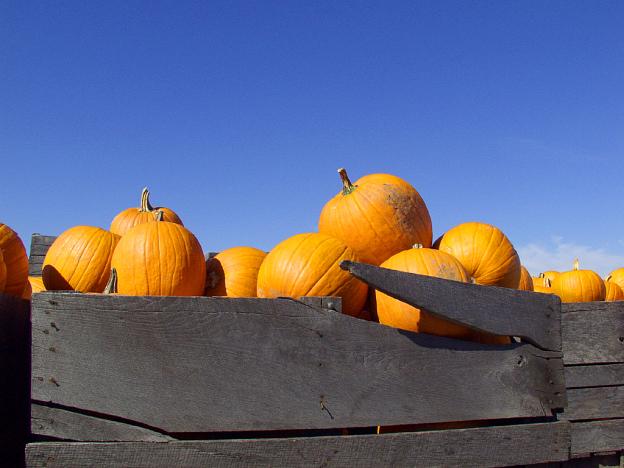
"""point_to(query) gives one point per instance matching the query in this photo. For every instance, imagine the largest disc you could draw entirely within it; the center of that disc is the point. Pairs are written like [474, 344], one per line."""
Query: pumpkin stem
[111, 286]
[347, 186]
[158, 215]
[608, 278]
[547, 282]
[417, 246]
[576, 264]
[541, 275]
[145, 203]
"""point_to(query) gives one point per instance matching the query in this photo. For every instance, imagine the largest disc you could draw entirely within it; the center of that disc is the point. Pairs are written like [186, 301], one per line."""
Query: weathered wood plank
[221, 364]
[502, 311]
[597, 436]
[492, 446]
[594, 403]
[39, 249]
[35, 262]
[597, 375]
[39, 246]
[69, 425]
[593, 332]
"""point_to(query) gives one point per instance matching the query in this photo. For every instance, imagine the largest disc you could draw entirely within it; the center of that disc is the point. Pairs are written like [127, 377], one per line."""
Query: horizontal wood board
[593, 332]
[39, 246]
[485, 447]
[216, 364]
[597, 436]
[597, 375]
[594, 403]
[502, 311]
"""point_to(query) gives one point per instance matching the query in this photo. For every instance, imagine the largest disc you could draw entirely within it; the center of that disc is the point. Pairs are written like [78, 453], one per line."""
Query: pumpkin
[422, 261]
[79, 259]
[613, 291]
[3, 273]
[27, 293]
[145, 213]
[617, 277]
[234, 272]
[378, 216]
[542, 285]
[526, 282]
[309, 265]
[36, 283]
[485, 252]
[15, 260]
[159, 259]
[579, 285]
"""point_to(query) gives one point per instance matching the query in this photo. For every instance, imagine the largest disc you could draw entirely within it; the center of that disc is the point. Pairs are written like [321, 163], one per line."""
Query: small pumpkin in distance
[308, 264]
[145, 213]
[526, 282]
[377, 216]
[617, 277]
[234, 272]
[579, 285]
[15, 260]
[613, 291]
[542, 285]
[485, 252]
[159, 259]
[79, 259]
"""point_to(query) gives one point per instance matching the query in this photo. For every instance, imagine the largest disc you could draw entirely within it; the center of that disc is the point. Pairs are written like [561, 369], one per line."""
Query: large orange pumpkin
[526, 282]
[309, 265]
[485, 252]
[234, 272]
[613, 291]
[79, 259]
[3, 273]
[579, 285]
[378, 216]
[617, 277]
[145, 213]
[15, 260]
[159, 259]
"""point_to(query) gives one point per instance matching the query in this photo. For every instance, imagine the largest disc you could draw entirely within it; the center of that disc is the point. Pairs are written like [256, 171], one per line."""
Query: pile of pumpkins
[380, 219]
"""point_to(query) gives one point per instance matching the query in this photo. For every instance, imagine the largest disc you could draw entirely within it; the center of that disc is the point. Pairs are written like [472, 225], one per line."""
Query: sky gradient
[237, 115]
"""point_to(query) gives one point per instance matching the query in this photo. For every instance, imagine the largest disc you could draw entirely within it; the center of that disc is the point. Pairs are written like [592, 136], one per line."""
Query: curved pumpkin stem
[347, 186]
[547, 282]
[145, 203]
[417, 246]
[576, 264]
[158, 215]
[608, 278]
[541, 275]
[111, 286]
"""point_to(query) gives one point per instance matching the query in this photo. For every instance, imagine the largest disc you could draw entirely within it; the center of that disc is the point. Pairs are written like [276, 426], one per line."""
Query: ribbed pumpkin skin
[485, 253]
[398, 314]
[36, 283]
[159, 259]
[382, 215]
[617, 277]
[79, 259]
[27, 293]
[526, 282]
[542, 287]
[3, 273]
[15, 260]
[579, 286]
[145, 213]
[613, 292]
[309, 265]
[234, 272]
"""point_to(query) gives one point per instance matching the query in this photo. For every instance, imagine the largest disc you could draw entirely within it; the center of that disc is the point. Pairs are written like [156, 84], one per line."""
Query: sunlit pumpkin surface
[617, 277]
[579, 286]
[526, 282]
[15, 260]
[234, 272]
[613, 292]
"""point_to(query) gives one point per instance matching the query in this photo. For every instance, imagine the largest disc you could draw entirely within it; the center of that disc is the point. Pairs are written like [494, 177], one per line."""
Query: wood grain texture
[485, 447]
[594, 403]
[39, 246]
[593, 332]
[597, 436]
[597, 375]
[222, 364]
[502, 311]
[69, 425]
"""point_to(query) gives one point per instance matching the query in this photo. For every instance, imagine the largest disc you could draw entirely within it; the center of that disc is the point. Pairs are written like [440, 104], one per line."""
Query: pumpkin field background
[238, 114]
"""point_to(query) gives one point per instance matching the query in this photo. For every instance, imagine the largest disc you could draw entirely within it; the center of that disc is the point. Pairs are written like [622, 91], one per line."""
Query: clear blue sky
[237, 114]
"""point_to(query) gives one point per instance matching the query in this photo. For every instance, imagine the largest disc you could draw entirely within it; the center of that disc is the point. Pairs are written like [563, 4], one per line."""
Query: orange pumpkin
[543, 285]
[613, 291]
[526, 282]
[159, 259]
[617, 277]
[36, 283]
[3, 273]
[79, 259]
[27, 293]
[145, 213]
[309, 265]
[15, 260]
[485, 252]
[579, 285]
[398, 314]
[378, 216]
[234, 272]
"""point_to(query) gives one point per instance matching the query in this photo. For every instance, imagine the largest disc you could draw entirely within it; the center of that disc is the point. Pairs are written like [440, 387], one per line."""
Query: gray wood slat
[593, 332]
[594, 403]
[484, 447]
[597, 436]
[502, 311]
[222, 364]
[597, 375]
[69, 425]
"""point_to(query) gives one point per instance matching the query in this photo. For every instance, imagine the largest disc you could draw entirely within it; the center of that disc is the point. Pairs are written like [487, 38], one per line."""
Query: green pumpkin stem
[159, 215]
[111, 286]
[347, 186]
[145, 203]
